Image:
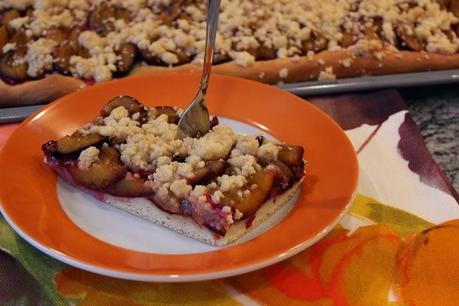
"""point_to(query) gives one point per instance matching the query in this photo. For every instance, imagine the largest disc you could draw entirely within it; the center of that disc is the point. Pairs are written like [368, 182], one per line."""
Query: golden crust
[38, 91]
[299, 69]
[305, 68]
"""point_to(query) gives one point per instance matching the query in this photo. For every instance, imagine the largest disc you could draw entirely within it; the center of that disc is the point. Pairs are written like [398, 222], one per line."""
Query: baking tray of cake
[311, 88]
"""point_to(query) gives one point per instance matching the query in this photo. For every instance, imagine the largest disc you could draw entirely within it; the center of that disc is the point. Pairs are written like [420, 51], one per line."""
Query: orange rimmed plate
[30, 200]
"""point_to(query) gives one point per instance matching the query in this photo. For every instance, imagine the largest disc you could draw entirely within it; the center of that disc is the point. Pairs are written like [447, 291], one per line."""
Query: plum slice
[285, 178]
[264, 53]
[3, 37]
[127, 54]
[454, 7]
[150, 58]
[373, 30]
[315, 42]
[8, 16]
[130, 187]
[291, 155]
[73, 35]
[64, 51]
[220, 58]
[155, 60]
[62, 55]
[283, 168]
[55, 34]
[104, 172]
[171, 12]
[122, 13]
[348, 38]
[172, 115]
[409, 40]
[211, 170]
[264, 181]
[13, 66]
[76, 142]
[132, 105]
[101, 18]
[182, 56]
[20, 39]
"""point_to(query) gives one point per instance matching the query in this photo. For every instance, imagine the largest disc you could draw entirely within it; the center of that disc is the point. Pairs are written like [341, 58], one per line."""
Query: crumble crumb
[88, 157]
[327, 74]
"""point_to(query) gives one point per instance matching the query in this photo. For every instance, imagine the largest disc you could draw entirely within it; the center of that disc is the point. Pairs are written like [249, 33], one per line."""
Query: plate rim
[150, 275]
[174, 278]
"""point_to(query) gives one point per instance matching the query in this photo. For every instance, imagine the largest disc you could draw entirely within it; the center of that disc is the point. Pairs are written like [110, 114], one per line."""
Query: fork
[194, 121]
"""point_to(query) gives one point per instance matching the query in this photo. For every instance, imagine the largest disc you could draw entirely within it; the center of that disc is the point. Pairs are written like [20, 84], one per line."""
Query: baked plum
[283, 169]
[220, 58]
[284, 179]
[454, 7]
[169, 12]
[265, 53]
[373, 28]
[249, 203]
[4, 37]
[73, 35]
[150, 58]
[130, 187]
[20, 39]
[56, 34]
[154, 59]
[62, 54]
[132, 105]
[76, 142]
[104, 172]
[178, 158]
[170, 112]
[211, 170]
[122, 13]
[291, 155]
[8, 16]
[348, 39]
[127, 54]
[13, 66]
[182, 56]
[315, 43]
[101, 18]
[408, 40]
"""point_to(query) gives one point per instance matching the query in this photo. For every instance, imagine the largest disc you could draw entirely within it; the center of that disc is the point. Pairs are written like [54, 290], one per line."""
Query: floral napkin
[398, 244]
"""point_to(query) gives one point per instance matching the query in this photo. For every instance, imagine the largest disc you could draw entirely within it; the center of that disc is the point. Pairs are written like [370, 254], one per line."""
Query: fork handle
[213, 10]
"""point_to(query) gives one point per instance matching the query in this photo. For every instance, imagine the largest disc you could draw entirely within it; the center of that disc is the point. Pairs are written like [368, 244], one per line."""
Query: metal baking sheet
[17, 114]
[372, 82]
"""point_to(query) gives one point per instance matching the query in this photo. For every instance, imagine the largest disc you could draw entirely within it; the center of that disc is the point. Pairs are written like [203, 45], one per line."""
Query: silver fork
[194, 121]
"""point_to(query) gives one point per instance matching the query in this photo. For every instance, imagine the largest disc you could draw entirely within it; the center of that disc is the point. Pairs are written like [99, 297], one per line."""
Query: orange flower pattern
[365, 267]
[338, 270]
[412, 263]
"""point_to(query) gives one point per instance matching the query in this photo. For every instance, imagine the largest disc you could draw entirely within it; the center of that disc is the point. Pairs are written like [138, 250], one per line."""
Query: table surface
[435, 110]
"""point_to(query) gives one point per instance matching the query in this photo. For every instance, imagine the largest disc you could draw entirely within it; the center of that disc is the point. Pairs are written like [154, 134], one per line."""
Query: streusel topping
[152, 146]
[173, 32]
